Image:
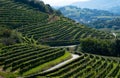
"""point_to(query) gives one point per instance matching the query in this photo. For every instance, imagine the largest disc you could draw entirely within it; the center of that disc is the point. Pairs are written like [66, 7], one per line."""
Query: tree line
[38, 4]
[101, 47]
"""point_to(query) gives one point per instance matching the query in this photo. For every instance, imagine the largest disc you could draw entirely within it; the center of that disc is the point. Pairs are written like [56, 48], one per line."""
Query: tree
[99, 46]
[9, 37]
[117, 47]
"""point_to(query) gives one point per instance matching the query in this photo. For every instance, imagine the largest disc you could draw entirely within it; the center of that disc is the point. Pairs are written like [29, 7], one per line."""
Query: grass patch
[8, 74]
[48, 65]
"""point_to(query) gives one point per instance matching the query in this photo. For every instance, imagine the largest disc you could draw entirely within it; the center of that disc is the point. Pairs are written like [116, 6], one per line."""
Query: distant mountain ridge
[85, 15]
[100, 19]
[98, 4]
[115, 9]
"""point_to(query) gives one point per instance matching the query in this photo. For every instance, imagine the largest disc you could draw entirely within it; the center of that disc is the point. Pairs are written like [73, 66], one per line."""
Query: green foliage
[85, 15]
[102, 47]
[15, 18]
[8, 75]
[32, 18]
[61, 31]
[86, 66]
[29, 40]
[111, 24]
[48, 65]
[25, 56]
[94, 18]
[117, 47]
[9, 37]
[38, 4]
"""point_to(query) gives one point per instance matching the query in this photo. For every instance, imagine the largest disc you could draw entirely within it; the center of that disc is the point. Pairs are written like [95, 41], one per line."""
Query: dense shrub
[102, 47]
[8, 37]
[38, 4]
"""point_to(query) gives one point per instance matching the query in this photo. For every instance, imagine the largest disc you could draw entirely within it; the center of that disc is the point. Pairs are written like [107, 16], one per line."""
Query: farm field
[87, 66]
[47, 29]
[34, 37]
[22, 58]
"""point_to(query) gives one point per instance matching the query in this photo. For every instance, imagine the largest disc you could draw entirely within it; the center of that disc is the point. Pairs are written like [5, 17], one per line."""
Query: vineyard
[15, 15]
[36, 24]
[22, 58]
[61, 31]
[40, 30]
[87, 66]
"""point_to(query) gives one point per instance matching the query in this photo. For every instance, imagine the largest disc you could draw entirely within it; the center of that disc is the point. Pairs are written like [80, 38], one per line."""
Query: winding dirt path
[114, 34]
[74, 56]
[70, 46]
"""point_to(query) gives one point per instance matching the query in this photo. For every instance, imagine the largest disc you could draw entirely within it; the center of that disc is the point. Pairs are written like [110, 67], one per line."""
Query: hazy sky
[61, 2]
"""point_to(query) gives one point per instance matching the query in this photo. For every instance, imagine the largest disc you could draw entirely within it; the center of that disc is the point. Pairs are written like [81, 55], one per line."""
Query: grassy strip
[8, 75]
[48, 65]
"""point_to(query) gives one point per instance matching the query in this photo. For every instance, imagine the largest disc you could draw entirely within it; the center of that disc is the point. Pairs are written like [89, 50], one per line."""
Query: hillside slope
[86, 66]
[110, 24]
[39, 23]
[99, 19]
[98, 4]
[44, 27]
[25, 58]
[86, 15]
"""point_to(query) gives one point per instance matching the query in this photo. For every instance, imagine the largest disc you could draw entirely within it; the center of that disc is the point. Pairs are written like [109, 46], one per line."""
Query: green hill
[22, 58]
[99, 19]
[110, 24]
[47, 28]
[86, 66]
[25, 24]
[86, 15]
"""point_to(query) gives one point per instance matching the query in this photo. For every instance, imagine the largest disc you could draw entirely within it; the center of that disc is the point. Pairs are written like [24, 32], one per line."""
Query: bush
[102, 47]
[9, 37]
[38, 4]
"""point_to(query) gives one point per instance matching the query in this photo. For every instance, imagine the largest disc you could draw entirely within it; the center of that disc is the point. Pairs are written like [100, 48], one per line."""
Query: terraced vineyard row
[47, 28]
[17, 15]
[25, 57]
[34, 23]
[87, 66]
[62, 31]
